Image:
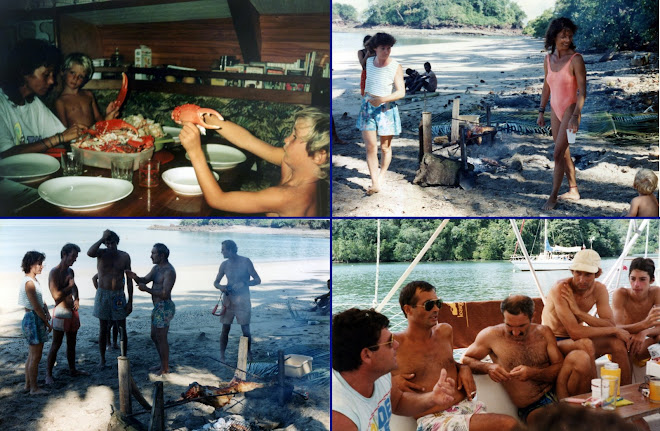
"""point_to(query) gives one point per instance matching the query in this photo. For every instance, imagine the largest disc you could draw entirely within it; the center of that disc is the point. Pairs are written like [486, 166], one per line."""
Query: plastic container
[297, 365]
[612, 369]
[101, 159]
[142, 59]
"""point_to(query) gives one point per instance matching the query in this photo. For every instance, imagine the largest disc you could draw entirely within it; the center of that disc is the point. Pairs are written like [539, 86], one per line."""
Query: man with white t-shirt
[363, 356]
[26, 124]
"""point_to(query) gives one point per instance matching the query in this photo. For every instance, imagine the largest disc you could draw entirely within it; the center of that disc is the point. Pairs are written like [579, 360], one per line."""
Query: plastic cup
[571, 136]
[610, 387]
[654, 389]
[149, 173]
[72, 163]
[122, 169]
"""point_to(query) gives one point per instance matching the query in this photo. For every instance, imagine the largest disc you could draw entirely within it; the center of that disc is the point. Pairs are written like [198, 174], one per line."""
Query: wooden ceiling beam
[248, 29]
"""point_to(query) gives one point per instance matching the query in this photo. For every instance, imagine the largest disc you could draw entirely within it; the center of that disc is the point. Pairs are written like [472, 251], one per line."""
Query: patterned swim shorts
[455, 418]
[34, 329]
[110, 304]
[383, 119]
[162, 314]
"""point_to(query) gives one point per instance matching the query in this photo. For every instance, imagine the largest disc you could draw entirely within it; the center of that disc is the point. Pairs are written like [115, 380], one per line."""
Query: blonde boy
[646, 204]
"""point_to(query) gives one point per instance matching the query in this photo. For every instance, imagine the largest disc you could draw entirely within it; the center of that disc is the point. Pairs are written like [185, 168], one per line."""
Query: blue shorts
[383, 119]
[558, 339]
[548, 398]
[34, 329]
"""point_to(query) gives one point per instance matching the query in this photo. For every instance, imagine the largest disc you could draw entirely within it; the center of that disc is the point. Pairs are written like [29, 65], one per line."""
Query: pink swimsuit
[563, 88]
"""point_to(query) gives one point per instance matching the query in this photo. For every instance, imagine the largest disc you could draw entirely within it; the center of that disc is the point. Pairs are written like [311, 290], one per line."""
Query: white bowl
[222, 157]
[183, 180]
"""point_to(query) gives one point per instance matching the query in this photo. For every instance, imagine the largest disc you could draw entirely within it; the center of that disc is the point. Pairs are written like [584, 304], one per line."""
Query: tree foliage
[354, 240]
[270, 223]
[344, 11]
[434, 13]
[605, 24]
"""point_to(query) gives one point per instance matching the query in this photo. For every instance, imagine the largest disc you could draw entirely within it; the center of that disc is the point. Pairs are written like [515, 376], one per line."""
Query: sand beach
[514, 172]
[87, 402]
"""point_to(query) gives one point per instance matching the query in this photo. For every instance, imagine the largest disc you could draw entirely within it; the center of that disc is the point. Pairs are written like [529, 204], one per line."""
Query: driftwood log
[437, 171]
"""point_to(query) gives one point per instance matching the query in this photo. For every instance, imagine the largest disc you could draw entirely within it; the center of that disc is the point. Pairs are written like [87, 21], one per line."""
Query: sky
[532, 8]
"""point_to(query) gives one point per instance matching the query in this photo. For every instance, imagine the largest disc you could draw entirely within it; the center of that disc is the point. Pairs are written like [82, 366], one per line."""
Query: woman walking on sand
[378, 115]
[566, 81]
[36, 321]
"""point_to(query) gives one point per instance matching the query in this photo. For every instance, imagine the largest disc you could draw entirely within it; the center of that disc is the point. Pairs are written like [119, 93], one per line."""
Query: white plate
[173, 132]
[84, 193]
[24, 167]
[184, 181]
[222, 157]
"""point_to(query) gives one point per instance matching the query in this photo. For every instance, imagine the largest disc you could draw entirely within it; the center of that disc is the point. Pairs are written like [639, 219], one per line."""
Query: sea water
[353, 285]
[186, 248]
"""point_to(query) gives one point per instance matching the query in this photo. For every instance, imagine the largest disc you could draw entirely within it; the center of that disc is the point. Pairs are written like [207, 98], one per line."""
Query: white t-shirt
[27, 123]
[369, 414]
[22, 296]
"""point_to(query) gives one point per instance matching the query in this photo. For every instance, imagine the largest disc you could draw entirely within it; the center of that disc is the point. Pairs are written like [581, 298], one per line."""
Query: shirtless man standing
[566, 312]
[637, 310]
[425, 348]
[163, 277]
[527, 361]
[240, 275]
[65, 293]
[110, 303]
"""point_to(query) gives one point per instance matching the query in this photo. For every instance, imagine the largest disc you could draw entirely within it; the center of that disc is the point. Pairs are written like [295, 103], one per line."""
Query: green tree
[344, 11]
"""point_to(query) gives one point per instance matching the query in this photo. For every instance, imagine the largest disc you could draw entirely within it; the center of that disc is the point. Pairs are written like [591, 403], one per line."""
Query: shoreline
[412, 31]
[320, 233]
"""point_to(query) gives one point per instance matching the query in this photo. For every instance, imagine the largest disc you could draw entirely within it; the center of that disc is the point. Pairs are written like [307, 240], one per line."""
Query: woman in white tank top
[378, 115]
[36, 321]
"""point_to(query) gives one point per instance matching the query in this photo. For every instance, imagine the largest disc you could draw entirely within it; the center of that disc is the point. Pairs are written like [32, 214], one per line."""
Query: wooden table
[160, 201]
[638, 409]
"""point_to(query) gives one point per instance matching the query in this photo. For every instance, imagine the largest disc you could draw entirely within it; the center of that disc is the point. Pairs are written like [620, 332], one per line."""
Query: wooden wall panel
[195, 43]
[286, 38]
[79, 36]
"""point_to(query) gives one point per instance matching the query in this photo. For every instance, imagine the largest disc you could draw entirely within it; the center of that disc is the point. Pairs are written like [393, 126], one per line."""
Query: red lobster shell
[193, 113]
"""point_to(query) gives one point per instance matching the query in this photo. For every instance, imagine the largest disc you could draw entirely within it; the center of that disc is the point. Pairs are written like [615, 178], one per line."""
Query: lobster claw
[122, 92]
[194, 114]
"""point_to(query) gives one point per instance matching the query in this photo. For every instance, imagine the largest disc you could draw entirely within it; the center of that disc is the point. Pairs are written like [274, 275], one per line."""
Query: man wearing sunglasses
[527, 361]
[363, 356]
[426, 350]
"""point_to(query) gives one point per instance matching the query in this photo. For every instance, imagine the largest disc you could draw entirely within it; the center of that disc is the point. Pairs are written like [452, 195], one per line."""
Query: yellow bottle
[612, 369]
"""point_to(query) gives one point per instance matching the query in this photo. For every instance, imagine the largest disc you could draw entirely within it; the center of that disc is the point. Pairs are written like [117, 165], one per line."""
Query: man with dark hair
[26, 124]
[65, 315]
[110, 302]
[566, 313]
[163, 276]
[426, 350]
[363, 356]
[240, 275]
[637, 310]
[526, 360]
[426, 80]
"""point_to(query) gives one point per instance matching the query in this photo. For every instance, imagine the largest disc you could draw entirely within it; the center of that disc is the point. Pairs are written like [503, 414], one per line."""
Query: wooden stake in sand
[158, 410]
[241, 366]
[124, 371]
[426, 127]
[455, 122]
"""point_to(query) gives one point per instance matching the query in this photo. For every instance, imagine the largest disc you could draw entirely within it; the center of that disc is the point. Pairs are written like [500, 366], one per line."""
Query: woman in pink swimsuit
[566, 81]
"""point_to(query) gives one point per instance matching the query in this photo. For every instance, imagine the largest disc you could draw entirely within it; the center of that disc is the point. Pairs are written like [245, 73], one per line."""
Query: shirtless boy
[527, 361]
[304, 160]
[75, 105]
[65, 293]
[566, 313]
[425, 349]
[240, 275]
[646, 204]
[637, 310]
[163, 276]
[110, 302]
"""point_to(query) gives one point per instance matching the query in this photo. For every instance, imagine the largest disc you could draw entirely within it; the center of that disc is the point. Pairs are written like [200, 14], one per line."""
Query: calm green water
[353, 284]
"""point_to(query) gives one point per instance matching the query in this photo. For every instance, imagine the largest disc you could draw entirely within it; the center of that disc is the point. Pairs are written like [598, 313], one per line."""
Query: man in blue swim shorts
[162, 276]
[526, 360]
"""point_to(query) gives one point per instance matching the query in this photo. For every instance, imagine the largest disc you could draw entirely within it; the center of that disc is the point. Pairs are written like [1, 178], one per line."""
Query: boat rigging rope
[375, 301]
[529, 262]
[412, 265]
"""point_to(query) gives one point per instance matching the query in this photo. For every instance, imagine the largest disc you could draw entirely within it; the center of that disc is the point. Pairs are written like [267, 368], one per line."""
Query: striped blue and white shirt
[380, 80]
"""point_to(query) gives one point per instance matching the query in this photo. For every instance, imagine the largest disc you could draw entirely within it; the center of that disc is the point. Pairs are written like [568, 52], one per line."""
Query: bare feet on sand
[39, 391]
[372, 190]
[550, 204]
[49, 380]
[155, 368]
[572, 194]
[101, 365]
[76, 373]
